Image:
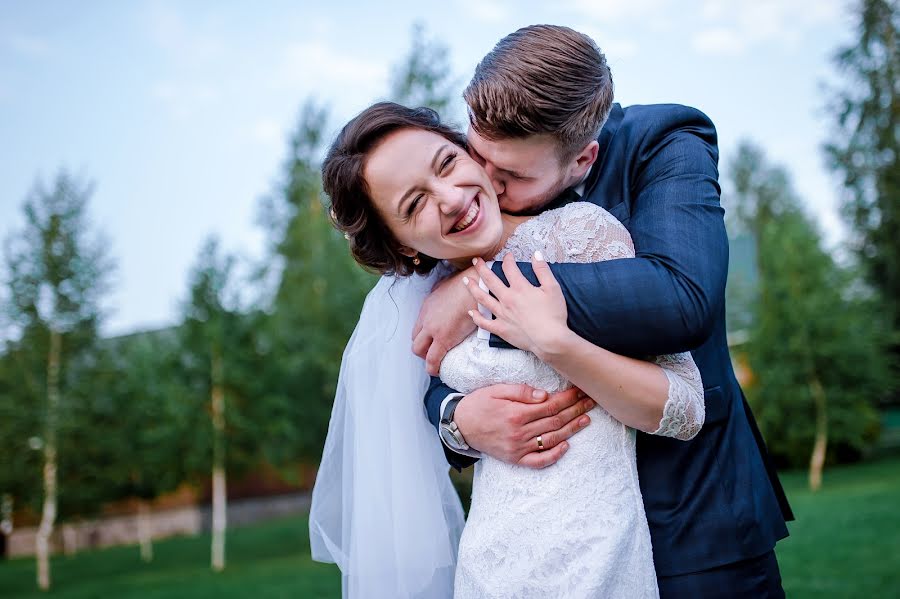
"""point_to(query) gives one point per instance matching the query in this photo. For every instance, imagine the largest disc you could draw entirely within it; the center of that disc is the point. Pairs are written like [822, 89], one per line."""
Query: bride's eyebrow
[408, 192]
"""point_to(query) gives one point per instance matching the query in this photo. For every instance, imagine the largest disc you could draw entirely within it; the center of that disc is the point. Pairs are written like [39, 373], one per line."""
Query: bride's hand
[531, 318]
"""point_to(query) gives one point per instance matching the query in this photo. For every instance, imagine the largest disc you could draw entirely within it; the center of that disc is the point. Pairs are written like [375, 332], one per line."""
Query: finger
[542, 271]
[551, 439]
[490, 280]
[417, 328]
[495, 327]
[542, 459]
[435, 356]
[556, 403]
[561, 420]
[481, 296]
[422, 343]
[512, 272]
[520, 393]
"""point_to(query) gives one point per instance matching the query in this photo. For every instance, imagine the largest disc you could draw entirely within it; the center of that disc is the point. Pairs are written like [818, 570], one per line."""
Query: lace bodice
[578, 232]
[577, 528]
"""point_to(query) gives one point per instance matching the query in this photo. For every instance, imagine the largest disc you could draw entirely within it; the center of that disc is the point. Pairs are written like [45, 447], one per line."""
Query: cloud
[317, 66]
[184, 100]
[733, 26]
[608, 11]
[718, 41]
[488, 11]
[267, 131]
[190, 43]
[30, 46]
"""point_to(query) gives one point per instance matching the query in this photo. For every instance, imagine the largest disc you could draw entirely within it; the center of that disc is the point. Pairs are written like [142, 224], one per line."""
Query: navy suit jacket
[716, 499]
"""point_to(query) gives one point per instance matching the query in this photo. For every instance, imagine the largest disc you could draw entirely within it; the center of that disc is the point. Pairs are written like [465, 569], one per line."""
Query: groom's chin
[530, 209]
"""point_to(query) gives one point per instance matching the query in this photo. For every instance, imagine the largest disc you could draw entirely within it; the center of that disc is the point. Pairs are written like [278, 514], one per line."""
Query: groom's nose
[496, 180]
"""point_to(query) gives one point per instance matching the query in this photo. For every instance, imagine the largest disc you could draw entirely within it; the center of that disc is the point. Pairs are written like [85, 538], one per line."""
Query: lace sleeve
[588, 233]
[685, 411]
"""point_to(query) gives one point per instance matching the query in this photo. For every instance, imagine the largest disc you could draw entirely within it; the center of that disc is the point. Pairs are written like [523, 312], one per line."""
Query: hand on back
[504, 422]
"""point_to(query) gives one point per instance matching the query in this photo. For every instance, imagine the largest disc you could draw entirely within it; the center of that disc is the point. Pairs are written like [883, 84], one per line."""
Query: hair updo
[353, 212]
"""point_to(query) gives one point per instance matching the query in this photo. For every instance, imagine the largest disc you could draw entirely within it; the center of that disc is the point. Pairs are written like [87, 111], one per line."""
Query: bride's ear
[407, 251]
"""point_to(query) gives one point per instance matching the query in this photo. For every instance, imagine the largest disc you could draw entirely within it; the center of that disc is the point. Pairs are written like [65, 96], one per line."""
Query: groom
[536, 104]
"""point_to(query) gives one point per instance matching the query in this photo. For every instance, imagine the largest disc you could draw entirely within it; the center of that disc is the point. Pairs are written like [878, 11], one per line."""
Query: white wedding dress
[577, 528]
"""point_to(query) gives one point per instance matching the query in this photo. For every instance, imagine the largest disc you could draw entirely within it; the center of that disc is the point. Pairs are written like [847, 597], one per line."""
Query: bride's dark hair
[352, 210]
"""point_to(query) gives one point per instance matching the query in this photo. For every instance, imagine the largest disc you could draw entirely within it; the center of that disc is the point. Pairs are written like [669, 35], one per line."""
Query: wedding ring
[540, 443]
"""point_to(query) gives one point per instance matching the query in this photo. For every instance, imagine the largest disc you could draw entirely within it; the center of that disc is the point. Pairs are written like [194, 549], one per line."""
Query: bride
[414, 207]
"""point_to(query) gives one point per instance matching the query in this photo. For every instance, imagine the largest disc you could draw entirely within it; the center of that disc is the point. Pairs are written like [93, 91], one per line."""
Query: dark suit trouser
[757, 578]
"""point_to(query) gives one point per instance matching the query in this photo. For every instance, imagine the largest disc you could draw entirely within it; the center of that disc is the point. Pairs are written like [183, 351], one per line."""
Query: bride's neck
[510, 223]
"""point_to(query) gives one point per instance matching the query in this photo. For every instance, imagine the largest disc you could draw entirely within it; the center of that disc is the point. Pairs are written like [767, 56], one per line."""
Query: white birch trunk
[219, 498]
[6, 514]
[817, 459]
[145, 531]
[48, 513]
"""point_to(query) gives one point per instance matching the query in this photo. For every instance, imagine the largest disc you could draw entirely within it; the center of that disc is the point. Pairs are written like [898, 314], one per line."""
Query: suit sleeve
[667, 298]
[435, 395]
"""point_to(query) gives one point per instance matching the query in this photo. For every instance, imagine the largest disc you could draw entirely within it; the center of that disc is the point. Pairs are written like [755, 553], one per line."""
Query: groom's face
[526, 173]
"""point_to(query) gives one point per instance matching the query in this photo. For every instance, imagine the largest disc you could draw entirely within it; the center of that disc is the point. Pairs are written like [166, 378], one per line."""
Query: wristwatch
[450, 434]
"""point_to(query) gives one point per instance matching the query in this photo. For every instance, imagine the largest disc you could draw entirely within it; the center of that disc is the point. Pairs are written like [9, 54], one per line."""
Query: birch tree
[817, 344]
[58, 273]
[220, 363]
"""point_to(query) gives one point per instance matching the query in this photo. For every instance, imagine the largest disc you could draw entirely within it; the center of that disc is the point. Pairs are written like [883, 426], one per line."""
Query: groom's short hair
[542, 79]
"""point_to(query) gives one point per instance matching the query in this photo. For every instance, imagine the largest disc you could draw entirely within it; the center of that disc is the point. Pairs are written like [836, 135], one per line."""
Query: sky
[179, 112]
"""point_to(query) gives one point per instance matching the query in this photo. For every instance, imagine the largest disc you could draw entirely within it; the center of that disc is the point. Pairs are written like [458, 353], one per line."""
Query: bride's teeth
[470, 216]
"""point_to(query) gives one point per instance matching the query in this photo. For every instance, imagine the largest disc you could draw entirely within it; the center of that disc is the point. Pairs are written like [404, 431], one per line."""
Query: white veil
[383, 507]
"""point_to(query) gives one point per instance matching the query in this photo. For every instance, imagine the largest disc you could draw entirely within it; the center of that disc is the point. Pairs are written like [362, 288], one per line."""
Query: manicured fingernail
[475, 261]
[565, 446]
[538, 256]
[465, 280]
[581, 395]
[584, 422]
[471, 314]
[537, 394]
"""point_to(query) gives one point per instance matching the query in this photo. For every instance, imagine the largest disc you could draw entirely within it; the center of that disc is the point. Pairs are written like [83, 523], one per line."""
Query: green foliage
[58, 271]
[218, 346]
[139, 404]
[865, 147]
[316, 302]
[811, 324]
[424, 77]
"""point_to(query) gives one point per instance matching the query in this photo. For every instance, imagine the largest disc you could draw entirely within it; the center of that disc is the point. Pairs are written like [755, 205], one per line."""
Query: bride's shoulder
[580, 212]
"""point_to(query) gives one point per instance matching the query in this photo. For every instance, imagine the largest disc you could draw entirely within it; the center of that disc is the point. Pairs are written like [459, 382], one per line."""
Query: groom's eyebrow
[405, 196]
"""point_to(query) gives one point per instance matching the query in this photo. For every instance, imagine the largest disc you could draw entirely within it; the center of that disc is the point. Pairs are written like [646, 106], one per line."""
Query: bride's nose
[452, 200]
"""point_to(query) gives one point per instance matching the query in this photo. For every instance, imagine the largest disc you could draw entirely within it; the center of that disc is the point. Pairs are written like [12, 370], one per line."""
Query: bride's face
[433, 196]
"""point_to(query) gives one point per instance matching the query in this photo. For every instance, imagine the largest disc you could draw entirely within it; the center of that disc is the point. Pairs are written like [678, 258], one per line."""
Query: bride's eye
[412, 206]
[448, 161]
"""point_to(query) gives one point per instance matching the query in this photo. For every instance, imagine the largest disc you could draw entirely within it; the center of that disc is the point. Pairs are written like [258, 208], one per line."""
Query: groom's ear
[583, 160]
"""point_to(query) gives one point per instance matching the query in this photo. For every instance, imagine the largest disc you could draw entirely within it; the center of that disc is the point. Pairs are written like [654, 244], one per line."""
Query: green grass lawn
[846, 540]
[845, 543]
[265, 561]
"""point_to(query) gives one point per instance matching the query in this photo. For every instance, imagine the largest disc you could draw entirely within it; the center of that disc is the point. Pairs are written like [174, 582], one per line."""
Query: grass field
[845, 543]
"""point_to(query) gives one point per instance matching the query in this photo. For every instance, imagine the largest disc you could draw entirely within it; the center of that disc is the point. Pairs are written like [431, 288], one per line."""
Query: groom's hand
[504, 422]
[444, 320]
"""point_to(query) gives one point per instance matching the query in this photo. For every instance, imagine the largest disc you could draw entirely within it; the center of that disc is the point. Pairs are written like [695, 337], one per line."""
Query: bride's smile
[434, 197]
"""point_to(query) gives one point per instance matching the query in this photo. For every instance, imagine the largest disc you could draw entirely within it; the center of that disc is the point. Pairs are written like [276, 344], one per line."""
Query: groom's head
[537, 102]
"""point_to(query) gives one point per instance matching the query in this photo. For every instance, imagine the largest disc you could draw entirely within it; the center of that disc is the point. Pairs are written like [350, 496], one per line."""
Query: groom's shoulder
[649, 123]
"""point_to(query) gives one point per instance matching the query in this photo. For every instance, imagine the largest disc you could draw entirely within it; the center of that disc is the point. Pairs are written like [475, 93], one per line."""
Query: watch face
[449, 438]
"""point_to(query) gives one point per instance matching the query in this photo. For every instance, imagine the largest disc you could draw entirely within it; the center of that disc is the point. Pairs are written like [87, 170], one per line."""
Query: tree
[58, 273]
[139, 402]
[220, 364]
[816, 345]
[865, 146]
[318, 294]
[424, 76]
